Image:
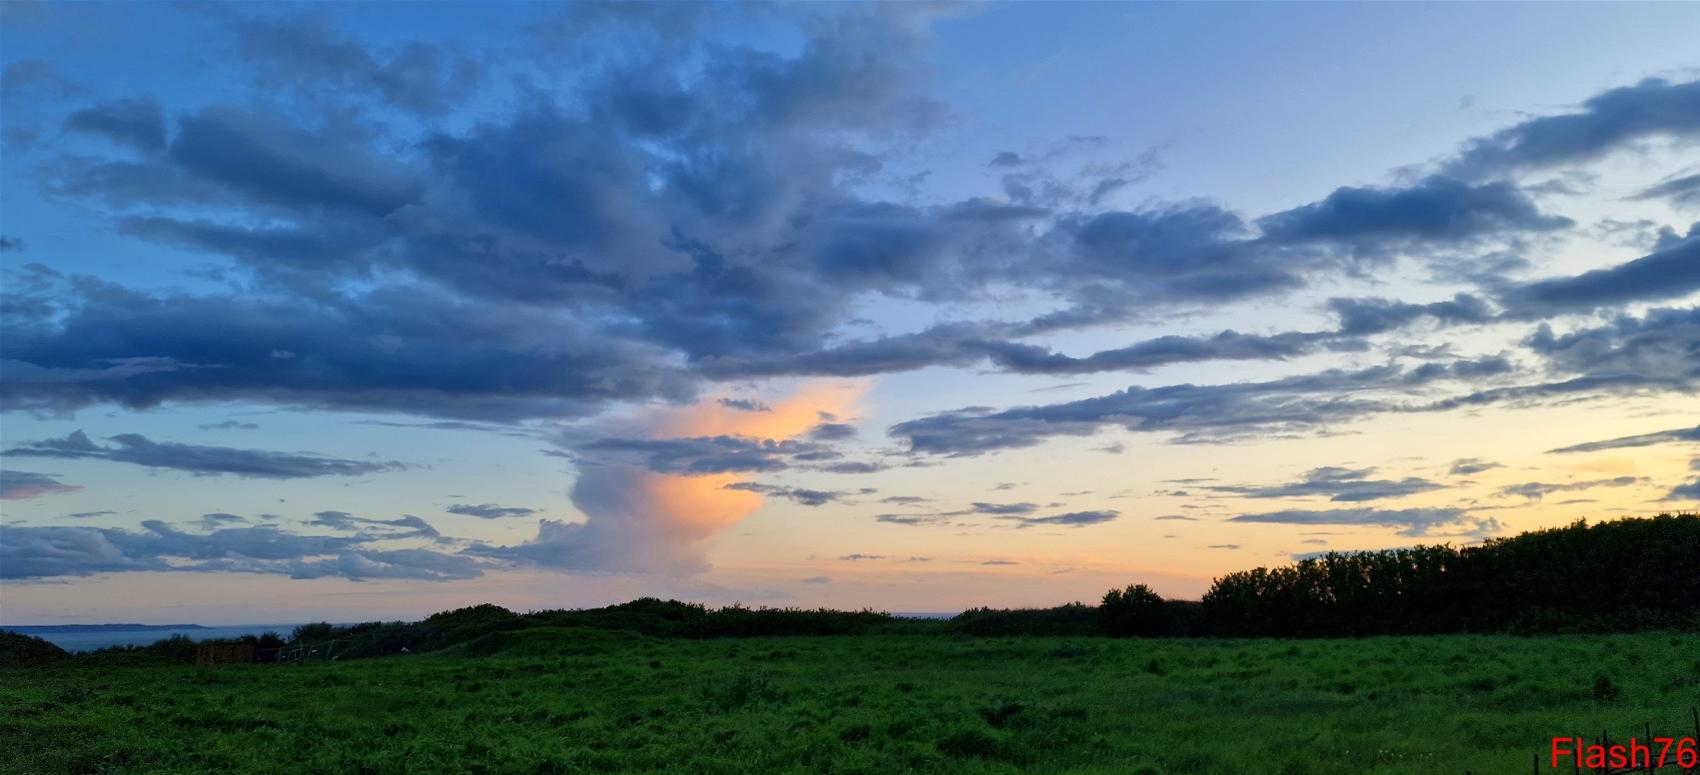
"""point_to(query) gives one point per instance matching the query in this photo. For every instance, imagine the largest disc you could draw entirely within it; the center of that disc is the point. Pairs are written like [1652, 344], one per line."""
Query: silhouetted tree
[1133, 612]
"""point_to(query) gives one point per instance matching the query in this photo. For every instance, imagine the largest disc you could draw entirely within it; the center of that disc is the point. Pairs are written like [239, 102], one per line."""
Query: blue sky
[372, 309]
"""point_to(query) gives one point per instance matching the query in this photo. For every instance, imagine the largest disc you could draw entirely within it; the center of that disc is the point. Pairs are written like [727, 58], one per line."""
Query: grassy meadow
[554, 699]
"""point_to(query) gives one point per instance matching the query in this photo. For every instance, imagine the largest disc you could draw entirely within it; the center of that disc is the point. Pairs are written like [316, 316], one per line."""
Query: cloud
[24, 485]
[1071, 519]
[656, 224]
[200, 460]
[1337, 484]
[1196, 411]
[859, 557]
[1607, 122]
[1674, 436]
[1001, 509]
[229, 425]
[36, 77]
[1655, 348]
[45, 552]
[653, 498]
[705, 455]
[406, 526]
[217, 520]
[489, 510]
[1689, 491]
[1681, 191]
[1671, 272]
[1361, 317]
[1410, 521]
[1536, 490]
[802, 495]
[832, 431]
[306, 52]
[137, 122]
[817, 580]
[1378, 221]
[1468, 466]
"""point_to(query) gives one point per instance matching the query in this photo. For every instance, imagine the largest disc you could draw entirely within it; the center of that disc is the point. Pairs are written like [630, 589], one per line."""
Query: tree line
[1627, 574]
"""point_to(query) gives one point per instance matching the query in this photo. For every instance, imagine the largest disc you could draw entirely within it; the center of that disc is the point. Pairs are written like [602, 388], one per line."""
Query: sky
[365, 311]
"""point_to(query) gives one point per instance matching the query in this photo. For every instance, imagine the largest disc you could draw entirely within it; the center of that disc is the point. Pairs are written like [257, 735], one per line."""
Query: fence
[212, 653]
[1670, 761]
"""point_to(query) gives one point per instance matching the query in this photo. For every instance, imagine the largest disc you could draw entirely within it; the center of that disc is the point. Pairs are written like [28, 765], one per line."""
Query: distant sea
[88, 637]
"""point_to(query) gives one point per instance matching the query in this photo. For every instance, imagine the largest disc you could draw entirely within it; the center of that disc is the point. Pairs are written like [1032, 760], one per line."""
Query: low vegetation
[576, 699]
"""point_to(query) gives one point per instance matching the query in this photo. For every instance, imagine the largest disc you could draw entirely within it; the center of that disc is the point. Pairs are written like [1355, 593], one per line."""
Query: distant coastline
[93, 637]
[32, 629]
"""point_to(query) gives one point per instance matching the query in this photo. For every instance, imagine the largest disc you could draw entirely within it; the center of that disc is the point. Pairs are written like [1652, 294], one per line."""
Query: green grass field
[562, 700]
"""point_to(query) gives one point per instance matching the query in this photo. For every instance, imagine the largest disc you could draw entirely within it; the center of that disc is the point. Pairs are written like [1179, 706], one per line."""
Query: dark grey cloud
[23, 485]
[197, 459]
[1410, 521]
[1002, 509]
[801, 495]
[306, 52]
[37, 77]
[230, 425]
[1344, 485]
[1671, 272]
[1361, 317]
[1197, 412]
[1537, 490]
[489, 510]
[44, 552]
[1661, 346]
[219, 519]
[1468, 466]
[859, 557]
[137, 122]
[708, 454]
[1380, 220]
[1681, 191]
[421, 353]
[1689, 491]
[10, 244]
[1606, 122]
[652, 225]
[745, 405]
[1071, 519]
[832, 431]
[405, 526]
[1673, 436]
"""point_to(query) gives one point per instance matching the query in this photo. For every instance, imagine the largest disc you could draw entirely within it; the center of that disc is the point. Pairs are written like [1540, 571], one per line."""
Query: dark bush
[1133, 612]
[18, 650]
[1071, 619]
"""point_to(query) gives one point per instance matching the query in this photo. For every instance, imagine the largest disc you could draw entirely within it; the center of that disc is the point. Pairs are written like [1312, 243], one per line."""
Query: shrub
[18, 650]
[1133, 612]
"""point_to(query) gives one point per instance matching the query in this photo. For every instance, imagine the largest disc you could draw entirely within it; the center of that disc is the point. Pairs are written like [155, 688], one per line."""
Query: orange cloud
[639, 520]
